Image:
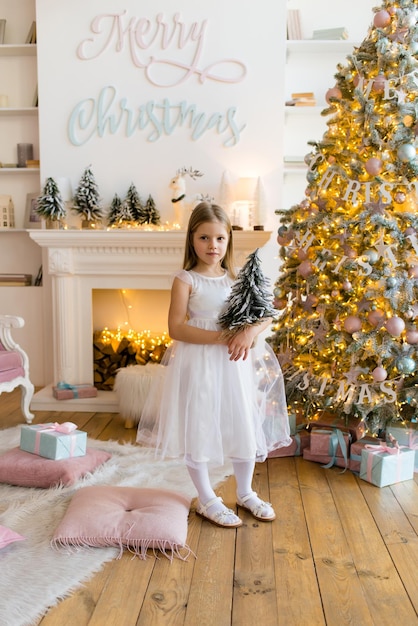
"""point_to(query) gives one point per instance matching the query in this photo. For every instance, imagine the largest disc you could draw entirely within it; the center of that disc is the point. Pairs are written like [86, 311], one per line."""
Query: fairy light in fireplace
[145, 344]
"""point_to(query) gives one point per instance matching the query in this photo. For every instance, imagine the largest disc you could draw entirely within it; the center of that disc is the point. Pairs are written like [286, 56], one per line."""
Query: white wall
[256, 43]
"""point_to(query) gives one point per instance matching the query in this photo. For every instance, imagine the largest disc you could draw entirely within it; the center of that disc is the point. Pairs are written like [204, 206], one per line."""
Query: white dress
[205, 408]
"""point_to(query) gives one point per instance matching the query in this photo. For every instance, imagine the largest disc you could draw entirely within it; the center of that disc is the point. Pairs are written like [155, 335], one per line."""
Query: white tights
[243, 471]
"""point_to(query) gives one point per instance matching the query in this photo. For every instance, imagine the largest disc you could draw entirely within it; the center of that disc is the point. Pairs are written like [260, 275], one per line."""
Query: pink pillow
[24, 469]
[126, 517]
[8, 536]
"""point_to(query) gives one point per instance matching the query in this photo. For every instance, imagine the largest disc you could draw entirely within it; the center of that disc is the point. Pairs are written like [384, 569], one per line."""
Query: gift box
[384, 465]
[330, 442]
[299, 442]
[297, 421]
[323, 419]
[53, 441]
[356, 448]
[406, 434]
[325, 460]
[63, 391]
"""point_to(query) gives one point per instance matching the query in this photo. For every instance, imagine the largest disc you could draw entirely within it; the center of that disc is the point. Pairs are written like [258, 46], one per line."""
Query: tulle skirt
[205, 408]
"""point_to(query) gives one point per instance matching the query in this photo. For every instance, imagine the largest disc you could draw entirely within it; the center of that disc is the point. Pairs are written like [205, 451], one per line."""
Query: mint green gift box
[43, 440]
[382, 468]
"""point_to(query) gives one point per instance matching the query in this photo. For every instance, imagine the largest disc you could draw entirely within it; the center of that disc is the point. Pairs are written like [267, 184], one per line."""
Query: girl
[218, 398]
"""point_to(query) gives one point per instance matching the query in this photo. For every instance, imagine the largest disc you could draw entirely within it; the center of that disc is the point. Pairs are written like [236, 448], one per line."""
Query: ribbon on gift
[65, 428]
[337, 439]
[73, 388]
[395, 449]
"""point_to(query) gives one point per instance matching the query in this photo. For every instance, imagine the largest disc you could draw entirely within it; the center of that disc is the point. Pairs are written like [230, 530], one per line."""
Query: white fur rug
[33, 575]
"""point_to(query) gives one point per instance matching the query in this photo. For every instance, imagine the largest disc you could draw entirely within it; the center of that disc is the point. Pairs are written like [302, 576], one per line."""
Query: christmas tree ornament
[407, 152]
[352, 324]
[371, 256]
[405, 365]
[391, 282]
[379, 374]
[382, 19]
[347, 286]
[373, 166]
[413, 271]
[400, 197]
[411, 336]
[333, 93]
[395, 326]
[376, 317]
[305, 269]
[250, 301]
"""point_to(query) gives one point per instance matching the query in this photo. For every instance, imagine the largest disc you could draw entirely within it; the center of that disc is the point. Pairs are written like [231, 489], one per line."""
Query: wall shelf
[14, 50]
[307, 46]
[19, 170]
[10, 111]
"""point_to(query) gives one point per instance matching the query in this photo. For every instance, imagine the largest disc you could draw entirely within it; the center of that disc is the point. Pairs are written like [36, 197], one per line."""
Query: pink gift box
[329, 442]
[300, 441]
[324, 460]
[64, 391]
[324, 419]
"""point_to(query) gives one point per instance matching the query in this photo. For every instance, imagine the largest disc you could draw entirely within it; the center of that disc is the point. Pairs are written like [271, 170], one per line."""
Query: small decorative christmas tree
[119, 213]
[151, 214]
[134, 204]
[87, 199]
[249, 302]
[50, 204]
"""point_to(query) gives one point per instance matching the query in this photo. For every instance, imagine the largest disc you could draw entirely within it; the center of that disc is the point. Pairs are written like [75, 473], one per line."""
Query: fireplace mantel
[79, 261]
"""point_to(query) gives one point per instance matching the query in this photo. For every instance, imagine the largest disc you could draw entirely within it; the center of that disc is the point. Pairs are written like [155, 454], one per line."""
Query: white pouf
[132, 385]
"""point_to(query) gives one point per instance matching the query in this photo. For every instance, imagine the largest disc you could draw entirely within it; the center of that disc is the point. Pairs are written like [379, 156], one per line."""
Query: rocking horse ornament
[183, 204]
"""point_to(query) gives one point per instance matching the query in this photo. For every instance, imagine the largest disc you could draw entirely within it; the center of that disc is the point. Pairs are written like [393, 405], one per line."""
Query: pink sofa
[14, 364]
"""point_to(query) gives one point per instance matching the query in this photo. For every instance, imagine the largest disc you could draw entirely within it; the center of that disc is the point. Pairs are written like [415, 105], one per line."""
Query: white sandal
[257, 509]
[220, 517]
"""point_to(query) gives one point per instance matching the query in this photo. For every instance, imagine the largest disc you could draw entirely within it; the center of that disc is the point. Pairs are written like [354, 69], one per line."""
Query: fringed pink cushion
[8, 536]
[126, 517]
[24, 469]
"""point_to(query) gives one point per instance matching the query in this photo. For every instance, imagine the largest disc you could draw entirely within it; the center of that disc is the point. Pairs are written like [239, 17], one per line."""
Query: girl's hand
[240, 344]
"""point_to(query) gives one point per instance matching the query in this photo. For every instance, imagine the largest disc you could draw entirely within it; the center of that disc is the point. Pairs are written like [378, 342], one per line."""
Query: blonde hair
[207, 212]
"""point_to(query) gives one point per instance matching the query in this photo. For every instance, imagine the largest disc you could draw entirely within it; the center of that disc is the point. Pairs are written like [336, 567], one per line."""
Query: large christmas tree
[347, 334]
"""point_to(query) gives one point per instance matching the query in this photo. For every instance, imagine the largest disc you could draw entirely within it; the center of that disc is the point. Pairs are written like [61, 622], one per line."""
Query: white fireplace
[78, 261]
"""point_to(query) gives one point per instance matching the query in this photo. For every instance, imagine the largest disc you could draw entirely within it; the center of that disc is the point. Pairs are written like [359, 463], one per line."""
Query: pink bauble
[381, 19]
[347, 286]
[283, 241]
[376, 317]
[352, 324]
[411, 336]
[305, 269]
[379, 374]
[395, 326]
[302, 255]
[279, 303]
[334, 92]
[350, 252]
[312, 300]
[379, 83]
[373, 166]
[413, 271]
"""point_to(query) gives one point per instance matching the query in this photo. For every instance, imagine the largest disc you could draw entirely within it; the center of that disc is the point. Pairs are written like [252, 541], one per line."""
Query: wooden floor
[341, 551]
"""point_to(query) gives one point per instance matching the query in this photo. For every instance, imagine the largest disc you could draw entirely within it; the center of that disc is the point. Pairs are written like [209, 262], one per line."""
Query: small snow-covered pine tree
[151, 213]
[87, 199]
[134, 204]
[119, 213]
[50, 204]
[250, 301]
